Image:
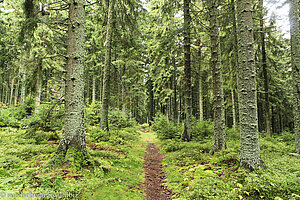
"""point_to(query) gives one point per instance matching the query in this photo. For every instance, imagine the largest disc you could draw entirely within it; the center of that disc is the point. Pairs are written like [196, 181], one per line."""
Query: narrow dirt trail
[153, 175]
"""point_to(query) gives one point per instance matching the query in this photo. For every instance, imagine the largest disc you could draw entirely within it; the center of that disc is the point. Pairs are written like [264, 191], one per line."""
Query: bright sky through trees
[281, 10]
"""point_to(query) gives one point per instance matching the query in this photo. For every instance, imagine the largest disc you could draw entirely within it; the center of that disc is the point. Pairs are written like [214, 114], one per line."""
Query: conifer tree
[107, 66]
[73, 131]
[187, 133]
[219, 115]
[295, 43]
[250, 152]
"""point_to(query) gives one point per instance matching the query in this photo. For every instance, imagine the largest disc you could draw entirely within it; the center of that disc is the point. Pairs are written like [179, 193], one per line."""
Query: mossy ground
[115, 169]
[193, 173]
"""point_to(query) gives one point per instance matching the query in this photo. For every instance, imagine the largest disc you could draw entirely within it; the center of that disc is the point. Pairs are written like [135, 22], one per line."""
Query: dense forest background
[77, 72]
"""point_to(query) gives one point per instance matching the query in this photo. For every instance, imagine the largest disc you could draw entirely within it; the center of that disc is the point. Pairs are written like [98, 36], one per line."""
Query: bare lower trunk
[233, 109]
[17, 92]
[295, 43]
[187, 133]
[38, 87]
[94, 89]
[167, 111]
[73, 131]
[123, 100]
[250, 152]
[265, 71]
[219, 114]
[106, 73]
[12, 91]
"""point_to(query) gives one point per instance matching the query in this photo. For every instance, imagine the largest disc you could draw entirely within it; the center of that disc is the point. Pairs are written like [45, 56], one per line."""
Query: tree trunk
[106, 73]
[73, 131]
[38, 86]
[94, 89]
[219, 115]
[233, 109]
[187, 133]
[200, 84]
[295, 43]
[264, 67]
[123, 100]
[175, 112]
[250, 152]
[167, 111]
[12, 90]
[236, 54]
[17, 92]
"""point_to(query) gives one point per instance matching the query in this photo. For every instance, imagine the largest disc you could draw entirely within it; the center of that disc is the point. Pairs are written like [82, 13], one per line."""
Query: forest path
[154, 177]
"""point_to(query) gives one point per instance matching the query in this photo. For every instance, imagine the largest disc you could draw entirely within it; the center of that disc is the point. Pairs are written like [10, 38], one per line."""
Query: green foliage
[116, 137]
[11, 116]
[28, 106]
[202, 129]
[93, 114]
[45, 124]
[286, 137]
[269, 144]
[97, 134]
[165, 129]
[116, 118]
[193, 173]
[7, 117]
[112, 169]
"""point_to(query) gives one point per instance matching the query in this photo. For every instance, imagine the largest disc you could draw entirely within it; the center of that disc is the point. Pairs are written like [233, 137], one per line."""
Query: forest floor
[132, 163]
[154, 177]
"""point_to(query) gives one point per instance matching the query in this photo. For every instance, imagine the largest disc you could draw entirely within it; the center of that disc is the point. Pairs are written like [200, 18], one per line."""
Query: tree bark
[38, 87]
[12, 90]
[264, 67]
[17, 92]
[295, 43]
[106, 72]
[187, 133]
[200, 84]
[175, 111]
[219, 114]
[236, 55]
[73, 132]
[94, 89]
[233, 109]
[250, 152]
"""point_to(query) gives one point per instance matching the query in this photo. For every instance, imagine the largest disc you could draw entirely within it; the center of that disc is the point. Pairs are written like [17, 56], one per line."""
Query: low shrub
[202, 129]
[165, 129]
[97, 134]
[93, 114]
[46, 124]
[116, 118]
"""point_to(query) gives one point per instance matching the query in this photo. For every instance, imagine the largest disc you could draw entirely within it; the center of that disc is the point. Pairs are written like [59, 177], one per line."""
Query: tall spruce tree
[250, 152]
[219, 115]
[264, 68]
[73, 131]
[107, 65]
[187, 133]
[295, 43]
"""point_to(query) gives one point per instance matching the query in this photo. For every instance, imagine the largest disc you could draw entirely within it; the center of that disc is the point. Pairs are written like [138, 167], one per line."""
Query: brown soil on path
[154, 176]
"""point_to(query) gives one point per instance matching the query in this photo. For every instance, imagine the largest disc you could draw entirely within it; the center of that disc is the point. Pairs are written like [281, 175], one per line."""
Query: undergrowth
[194, 173]
[114, 167]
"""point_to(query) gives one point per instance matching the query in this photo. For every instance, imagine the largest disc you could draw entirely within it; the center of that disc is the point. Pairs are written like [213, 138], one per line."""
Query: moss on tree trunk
[187, 133]
[73, 131]
[250, 152]
[106, 73]
[219, 114]
[295, 43]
